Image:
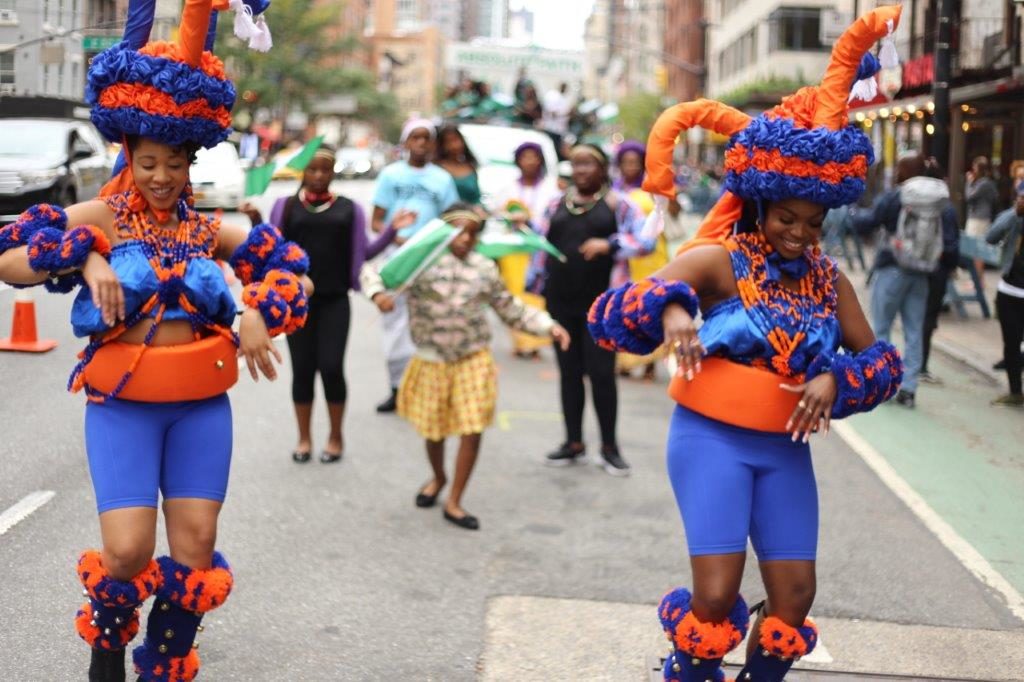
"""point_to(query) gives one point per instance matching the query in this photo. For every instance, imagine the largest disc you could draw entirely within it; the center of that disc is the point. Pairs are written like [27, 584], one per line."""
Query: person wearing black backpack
[1008, 229]
[920, 235]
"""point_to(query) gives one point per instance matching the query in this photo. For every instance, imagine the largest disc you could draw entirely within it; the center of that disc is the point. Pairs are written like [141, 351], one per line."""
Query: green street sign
[99, 43]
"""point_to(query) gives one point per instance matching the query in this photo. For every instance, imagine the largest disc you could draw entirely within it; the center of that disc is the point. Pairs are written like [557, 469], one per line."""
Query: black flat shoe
[330, 457]
[469, 522]
[425, 501]
[301, 457]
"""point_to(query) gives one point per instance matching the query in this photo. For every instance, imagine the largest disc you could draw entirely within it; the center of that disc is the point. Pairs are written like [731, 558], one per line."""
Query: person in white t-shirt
[557, 109]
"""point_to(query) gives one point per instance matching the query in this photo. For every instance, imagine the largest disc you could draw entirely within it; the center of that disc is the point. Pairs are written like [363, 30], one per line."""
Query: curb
[965, 357]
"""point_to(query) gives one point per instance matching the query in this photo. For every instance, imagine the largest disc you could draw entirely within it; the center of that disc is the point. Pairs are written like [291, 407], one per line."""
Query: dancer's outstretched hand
[681, 333]
[815, 407]
[256, 346]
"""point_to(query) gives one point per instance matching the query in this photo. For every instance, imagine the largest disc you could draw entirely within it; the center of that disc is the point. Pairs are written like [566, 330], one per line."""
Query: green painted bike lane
[964, 457]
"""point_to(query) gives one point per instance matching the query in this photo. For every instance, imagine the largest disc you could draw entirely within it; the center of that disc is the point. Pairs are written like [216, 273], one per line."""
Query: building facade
[407, 51]
[684, 35]
[40, 54]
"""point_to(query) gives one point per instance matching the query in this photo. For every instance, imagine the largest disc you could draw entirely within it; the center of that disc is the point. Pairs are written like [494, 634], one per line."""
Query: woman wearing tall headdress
[784, 348]
[162, 352]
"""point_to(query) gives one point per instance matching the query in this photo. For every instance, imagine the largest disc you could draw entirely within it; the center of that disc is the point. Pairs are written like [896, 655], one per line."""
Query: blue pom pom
[869, 66]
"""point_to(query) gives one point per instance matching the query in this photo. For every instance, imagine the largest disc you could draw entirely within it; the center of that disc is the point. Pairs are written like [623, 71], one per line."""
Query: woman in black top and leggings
[332, 230]
[597, 229]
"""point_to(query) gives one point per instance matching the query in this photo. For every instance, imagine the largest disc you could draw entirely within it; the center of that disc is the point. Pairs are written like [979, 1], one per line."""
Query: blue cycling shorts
[733, 483]
[138, 450]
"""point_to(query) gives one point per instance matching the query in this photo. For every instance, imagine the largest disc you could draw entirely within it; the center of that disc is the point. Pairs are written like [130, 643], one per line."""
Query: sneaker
[999, 365]
[1009, 400]
[565, 456]
[905, 398]
[929, 378]
[390, 404]
[612, 462]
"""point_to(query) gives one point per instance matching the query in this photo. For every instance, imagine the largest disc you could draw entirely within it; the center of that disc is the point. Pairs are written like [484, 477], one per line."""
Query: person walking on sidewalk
[332, 230]
[938, 281]
[450, 386]
[162, 353]
[920, 235]
[418, 186]
[765, 370]
[1008, 230]
[598, 230]
[982, 196]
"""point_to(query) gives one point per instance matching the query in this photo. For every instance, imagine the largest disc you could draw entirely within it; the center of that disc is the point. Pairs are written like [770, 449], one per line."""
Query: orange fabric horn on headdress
[834, 91]
[705, 113]
[195, 23]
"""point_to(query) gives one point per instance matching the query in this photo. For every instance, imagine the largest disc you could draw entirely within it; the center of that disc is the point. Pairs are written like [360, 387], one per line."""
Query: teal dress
[468, 188]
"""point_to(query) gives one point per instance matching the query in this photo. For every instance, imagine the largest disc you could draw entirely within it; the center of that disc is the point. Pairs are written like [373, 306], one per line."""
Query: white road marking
[23, 508]
[971, 559]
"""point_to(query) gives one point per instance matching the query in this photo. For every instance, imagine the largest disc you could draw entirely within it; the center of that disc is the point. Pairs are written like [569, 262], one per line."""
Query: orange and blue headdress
[804, 148]
[172, 92]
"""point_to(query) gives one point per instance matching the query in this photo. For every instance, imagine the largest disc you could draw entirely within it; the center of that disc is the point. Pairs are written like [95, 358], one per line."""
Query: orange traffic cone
[23, 329]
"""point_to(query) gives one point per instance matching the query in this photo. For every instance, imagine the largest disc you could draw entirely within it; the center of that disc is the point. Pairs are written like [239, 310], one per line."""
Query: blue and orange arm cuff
[628, 318]
[281, 300]
[865, 380]
[264, 250]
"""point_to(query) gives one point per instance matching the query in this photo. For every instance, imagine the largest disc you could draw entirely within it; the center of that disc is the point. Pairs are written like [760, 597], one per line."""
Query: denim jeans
[896, 290]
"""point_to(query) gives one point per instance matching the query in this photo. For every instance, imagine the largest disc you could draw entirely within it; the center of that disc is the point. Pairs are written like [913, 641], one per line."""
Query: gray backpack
[917, 243]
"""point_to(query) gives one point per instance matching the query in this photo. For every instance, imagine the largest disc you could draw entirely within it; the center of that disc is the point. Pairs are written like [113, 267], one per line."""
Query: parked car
[357, 162]
[53, 160]
[218, 180]
[494, 147]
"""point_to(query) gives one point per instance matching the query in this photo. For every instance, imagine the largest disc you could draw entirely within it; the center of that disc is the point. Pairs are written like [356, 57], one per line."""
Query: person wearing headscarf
[424, 189]
[784, 348]
[521, 204]
[158, 314]
[598, 230]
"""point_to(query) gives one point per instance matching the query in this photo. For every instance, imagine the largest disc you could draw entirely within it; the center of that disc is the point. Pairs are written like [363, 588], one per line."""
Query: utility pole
[940, 88]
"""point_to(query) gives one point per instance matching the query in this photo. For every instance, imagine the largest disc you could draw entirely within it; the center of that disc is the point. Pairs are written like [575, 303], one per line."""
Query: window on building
[740, 54]
[795, 28]
[8, 4]
[6, 69]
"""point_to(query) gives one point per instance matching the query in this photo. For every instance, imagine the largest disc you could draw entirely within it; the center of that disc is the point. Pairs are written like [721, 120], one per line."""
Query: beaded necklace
[782, 314]
[572, 195]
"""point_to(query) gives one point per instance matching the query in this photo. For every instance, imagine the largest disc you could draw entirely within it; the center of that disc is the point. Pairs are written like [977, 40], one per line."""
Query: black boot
[390, 404]
[107, 666]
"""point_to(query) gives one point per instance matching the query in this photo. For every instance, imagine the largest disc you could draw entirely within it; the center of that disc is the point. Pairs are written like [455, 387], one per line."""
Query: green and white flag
[258, 179]
[416, 255]
[520, 241]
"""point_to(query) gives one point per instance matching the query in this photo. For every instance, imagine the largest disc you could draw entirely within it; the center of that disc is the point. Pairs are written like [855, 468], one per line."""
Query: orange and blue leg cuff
[779, 647]
[699, 646]
[109, 620]
[168, 652]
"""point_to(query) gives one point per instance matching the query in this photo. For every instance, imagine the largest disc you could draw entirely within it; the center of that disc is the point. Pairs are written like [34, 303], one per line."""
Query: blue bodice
[729, 332]
[204, 286]
[769, 325]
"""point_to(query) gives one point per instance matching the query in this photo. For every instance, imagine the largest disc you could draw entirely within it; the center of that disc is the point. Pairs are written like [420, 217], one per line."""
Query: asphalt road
[340, 577]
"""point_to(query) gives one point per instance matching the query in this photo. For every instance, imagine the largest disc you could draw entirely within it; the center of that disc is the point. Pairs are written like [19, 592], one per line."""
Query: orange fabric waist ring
[738, 395]
[165, 374]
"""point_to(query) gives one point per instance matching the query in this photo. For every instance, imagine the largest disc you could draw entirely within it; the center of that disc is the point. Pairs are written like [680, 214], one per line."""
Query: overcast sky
[558, 23]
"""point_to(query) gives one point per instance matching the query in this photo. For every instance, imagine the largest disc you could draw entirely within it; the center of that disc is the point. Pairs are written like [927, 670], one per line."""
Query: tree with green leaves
[637, 114]
[303, 66]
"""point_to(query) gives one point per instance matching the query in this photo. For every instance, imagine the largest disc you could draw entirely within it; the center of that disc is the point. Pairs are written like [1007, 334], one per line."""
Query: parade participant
[161, 354]
[597, 229]
[763, 371]
[450, 386]
[1008, 229]
[533, 190]
[418, 186]
[455, 156]
[629, 161]
[331, 229]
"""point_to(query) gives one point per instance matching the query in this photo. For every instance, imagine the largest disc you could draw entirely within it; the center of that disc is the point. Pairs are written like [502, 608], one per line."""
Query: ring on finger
[802, 405]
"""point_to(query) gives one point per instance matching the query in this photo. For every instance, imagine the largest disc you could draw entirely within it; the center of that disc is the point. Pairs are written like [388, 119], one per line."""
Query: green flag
[520, 241]
[416, 255]
[258, 179]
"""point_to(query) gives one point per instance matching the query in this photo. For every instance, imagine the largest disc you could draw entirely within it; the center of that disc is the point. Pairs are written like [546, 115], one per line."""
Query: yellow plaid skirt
[443, 399]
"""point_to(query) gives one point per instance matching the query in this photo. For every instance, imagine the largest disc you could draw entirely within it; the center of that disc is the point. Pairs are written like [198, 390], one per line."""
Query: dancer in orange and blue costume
[784, 348]
[162, 351]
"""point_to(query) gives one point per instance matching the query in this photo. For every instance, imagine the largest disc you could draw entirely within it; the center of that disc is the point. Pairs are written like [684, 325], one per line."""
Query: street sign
[99, 43]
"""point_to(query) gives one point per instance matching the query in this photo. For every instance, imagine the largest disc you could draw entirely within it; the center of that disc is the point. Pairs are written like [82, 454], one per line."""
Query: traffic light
[661, 77]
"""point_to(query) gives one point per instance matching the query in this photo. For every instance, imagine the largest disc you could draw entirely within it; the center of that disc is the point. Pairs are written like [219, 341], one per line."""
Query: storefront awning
[909, 105]
[999, 86]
